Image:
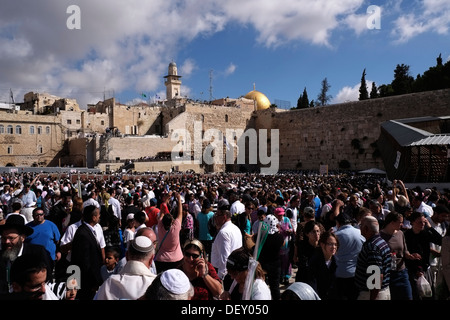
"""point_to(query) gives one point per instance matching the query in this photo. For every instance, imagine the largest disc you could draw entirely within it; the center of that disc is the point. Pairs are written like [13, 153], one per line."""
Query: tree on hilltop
[323, 98]
[303, 101]
[435, 78]
[374, 91]
[403, 81]
[363, 93]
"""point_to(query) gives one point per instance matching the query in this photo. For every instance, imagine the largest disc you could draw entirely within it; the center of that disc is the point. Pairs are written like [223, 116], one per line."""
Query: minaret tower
[173, 83]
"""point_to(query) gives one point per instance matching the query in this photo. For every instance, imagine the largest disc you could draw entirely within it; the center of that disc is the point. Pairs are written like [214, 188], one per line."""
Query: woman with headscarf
[248, 278]
[269, 256]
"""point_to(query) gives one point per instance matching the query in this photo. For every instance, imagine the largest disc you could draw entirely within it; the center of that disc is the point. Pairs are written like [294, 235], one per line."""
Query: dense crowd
[223, 237]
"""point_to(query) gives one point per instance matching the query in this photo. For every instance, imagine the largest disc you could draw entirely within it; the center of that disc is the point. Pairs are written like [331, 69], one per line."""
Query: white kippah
[175, 281]
[142, 244]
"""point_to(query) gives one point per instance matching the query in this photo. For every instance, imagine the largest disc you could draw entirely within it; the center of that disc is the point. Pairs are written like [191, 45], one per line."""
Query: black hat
[15, 221]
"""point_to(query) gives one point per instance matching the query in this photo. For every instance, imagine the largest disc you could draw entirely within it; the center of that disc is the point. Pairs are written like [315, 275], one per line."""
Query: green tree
[439, 60]
[363, 93]
[374, 91]
[385, 90]
[303, 101]
[323, 98]
[435, 78]
[403, 81]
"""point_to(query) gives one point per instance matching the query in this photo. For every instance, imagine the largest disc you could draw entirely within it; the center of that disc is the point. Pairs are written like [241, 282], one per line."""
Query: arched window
[9, 129]
[226, 118]
[18, 129]
[39, 131]
[47, 129]
[2, 129]
[31, 129]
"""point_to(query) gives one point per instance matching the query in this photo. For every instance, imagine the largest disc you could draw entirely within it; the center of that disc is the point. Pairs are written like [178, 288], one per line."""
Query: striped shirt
[374, 252]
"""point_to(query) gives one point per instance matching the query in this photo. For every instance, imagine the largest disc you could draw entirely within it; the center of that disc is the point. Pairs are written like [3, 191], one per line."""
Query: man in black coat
[13, 233]
[87, 254]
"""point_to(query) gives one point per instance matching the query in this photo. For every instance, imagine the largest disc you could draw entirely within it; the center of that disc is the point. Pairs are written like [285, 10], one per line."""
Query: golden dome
[262, 102]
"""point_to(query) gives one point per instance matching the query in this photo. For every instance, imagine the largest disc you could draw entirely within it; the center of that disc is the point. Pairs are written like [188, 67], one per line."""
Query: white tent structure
[373, 171]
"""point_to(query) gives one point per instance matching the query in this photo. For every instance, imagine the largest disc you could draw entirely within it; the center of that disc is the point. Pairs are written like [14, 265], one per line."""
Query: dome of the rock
[262, 102]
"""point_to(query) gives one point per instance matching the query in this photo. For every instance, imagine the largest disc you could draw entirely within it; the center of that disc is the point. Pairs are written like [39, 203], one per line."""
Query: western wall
[347, 131]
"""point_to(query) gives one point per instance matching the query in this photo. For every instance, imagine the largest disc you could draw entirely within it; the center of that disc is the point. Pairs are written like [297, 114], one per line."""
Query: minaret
[173, 83]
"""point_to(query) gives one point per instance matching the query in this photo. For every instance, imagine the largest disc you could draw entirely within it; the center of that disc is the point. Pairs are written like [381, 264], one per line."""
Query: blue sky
[281, 46]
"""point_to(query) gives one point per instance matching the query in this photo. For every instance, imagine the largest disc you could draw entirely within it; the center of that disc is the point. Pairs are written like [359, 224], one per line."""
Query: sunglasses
[192, 255]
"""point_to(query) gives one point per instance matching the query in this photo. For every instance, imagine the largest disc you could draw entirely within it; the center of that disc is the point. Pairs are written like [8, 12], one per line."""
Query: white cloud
[187, 68]
[350, 93]
[231, 69]
[128, 46]
[357, 22]
[432, 16]
[120, 46]
[278, 22]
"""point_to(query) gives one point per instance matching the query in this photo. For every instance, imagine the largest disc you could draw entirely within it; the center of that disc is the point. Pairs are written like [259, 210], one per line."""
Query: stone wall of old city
[35, 139]
[348, 131]
[307, 138]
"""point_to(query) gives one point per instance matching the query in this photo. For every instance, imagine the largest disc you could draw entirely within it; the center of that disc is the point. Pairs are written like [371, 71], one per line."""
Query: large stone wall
[135, 147]
[348, 131]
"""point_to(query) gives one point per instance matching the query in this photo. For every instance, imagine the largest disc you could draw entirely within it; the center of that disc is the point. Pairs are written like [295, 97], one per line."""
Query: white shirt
[237, 207]
[228, 239]
[426, 209]
[130, 284]
[68, 235]
[28, 198]
[6, 198]
[434, 261]
[294, 217]
[116, 207]
[49, 294]
[128, 235]
[260, 290]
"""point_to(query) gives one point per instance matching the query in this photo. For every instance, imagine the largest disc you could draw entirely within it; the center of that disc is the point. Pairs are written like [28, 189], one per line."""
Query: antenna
[210, 85]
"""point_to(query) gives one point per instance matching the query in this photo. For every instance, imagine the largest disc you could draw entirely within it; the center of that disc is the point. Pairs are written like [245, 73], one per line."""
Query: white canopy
[373, 171]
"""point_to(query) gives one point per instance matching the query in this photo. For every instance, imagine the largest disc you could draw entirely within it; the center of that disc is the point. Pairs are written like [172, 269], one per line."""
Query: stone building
[221, 135]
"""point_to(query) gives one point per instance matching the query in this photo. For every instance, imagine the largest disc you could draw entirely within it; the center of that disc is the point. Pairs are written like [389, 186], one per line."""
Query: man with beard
[13, 234]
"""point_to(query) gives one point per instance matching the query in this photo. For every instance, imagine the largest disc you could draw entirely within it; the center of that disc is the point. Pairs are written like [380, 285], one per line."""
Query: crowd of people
[230, 236]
